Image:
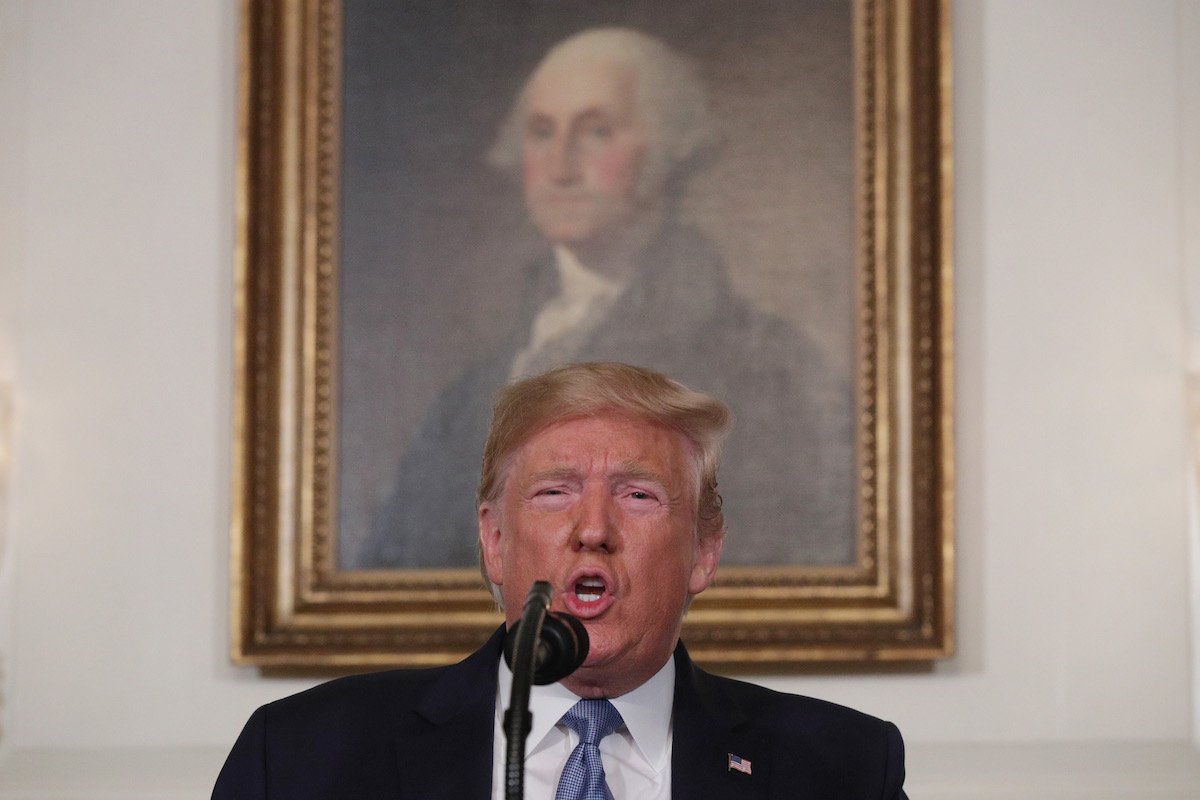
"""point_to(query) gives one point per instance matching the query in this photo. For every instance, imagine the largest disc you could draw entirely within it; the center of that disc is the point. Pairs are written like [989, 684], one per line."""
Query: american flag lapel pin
[739, 763]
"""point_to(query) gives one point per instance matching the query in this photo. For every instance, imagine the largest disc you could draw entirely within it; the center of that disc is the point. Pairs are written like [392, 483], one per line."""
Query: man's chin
[604, 653]
[572, 237]
[581, 232]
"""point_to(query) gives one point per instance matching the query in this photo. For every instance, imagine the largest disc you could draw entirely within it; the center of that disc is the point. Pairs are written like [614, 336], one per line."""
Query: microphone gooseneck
[542, 648]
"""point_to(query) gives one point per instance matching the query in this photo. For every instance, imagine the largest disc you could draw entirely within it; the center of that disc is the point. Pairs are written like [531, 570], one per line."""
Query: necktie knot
[592, 720]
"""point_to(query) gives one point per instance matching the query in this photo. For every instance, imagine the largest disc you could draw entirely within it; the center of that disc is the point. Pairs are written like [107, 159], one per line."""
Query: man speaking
[601, 479]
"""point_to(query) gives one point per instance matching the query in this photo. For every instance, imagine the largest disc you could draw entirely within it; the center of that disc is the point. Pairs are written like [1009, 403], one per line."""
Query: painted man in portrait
[602, 139]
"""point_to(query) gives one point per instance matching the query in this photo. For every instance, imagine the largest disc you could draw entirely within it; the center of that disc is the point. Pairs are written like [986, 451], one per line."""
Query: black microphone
[561, 648]
[542, 648]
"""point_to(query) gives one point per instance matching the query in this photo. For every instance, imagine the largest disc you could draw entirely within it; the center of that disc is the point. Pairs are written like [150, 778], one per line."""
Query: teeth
[589, 589]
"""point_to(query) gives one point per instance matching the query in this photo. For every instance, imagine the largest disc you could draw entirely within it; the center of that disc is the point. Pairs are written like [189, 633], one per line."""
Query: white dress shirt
[637, 757]
[565, 322]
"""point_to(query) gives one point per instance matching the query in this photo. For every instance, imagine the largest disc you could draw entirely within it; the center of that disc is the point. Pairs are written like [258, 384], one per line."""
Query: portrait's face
[604, 509]
[584, 149]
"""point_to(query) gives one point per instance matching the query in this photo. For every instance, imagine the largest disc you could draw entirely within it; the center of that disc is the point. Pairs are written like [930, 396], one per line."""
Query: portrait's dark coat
[787, 473]
[427, 734]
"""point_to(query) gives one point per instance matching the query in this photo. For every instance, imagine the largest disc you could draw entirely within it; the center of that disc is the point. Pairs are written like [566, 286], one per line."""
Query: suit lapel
[709, 726]
[447, 752]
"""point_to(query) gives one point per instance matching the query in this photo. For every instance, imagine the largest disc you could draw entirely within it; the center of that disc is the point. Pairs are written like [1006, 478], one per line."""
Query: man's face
[585, 144]
[604, 509]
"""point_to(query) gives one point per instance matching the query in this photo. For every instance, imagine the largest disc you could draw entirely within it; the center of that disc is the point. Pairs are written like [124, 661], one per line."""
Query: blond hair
[526, 407]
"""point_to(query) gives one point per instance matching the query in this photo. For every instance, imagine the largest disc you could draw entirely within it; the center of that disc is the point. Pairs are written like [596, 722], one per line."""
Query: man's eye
[640, 495]
[600, 131]
[539, 132]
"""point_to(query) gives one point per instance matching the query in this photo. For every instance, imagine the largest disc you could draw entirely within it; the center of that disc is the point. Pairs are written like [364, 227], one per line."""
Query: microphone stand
[517, 719]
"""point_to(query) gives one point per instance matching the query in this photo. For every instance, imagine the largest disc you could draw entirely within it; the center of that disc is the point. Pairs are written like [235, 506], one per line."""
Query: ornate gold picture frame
[298, 603]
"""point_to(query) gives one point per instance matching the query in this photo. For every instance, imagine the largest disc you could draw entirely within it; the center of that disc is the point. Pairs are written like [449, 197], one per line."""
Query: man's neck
[596, 682]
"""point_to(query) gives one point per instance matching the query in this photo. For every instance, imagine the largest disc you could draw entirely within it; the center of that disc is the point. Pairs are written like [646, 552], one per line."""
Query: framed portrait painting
[437, 198]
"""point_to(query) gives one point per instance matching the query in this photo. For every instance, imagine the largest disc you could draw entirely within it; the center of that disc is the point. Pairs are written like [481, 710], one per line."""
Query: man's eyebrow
[559, 473]
[584, 116]
[594, 114]
[633, 470]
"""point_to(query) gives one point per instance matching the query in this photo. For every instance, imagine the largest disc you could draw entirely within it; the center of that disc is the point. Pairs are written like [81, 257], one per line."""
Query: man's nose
[564, 159]
[597, 526]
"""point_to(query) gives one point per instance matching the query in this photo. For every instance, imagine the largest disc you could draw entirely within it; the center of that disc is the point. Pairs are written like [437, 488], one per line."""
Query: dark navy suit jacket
[428, 734]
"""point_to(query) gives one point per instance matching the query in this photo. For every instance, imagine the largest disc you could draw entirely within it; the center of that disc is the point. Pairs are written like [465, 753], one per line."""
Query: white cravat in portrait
[565, 322]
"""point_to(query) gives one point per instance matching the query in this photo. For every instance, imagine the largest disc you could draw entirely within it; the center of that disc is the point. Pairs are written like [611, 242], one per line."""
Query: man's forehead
[580, 81]
[617, 443]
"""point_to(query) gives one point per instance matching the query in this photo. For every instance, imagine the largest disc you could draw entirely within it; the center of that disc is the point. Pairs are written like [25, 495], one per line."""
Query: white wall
[1189, 67]
[12, 115]
[1072, 446]
[123, 338]
[116, 233]
[1073, 584]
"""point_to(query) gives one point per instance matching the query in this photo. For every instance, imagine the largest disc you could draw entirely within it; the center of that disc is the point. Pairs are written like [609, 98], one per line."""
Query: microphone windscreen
[561, 649]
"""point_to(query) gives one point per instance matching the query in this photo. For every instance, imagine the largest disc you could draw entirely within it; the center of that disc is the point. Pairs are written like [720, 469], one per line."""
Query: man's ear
[489, 542]
[708, 556]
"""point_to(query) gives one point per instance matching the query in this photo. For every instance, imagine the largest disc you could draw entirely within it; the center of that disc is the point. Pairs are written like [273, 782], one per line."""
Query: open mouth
[589, 590]
[589, 595]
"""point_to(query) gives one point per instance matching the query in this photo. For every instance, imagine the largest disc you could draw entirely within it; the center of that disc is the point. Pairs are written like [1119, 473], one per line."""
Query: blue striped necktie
[583, 776]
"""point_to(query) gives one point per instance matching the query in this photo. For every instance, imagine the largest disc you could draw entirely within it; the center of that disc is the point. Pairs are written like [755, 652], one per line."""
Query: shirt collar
[580, 283]
[647, 714]
[646, 711]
